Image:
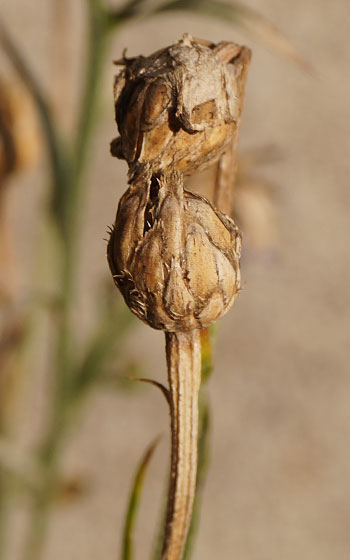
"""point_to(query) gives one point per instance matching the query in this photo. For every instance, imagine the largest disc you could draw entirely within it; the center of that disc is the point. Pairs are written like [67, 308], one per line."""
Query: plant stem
[3, 513]
[203, 464]
[184, 372]
[69, 230]
[98, 33]
[43, 499]
[61, 26]
[227, 165]
[40, 518]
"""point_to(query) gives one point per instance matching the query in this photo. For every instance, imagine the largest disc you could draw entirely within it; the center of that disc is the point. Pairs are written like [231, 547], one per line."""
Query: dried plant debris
[178, 108]
[19, 149]
[19, 136]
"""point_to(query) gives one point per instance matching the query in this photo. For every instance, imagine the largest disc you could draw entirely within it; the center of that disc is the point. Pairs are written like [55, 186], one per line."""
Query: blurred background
[278, 482]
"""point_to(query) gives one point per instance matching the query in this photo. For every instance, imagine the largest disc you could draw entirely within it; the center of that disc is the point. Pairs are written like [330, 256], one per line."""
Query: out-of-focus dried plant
[255, 204]
[19, 150]
[255, 200]
[19, 134]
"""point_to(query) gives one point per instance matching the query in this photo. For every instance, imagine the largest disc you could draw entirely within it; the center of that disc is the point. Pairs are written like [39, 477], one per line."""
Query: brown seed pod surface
[174, 257]
[179, 107]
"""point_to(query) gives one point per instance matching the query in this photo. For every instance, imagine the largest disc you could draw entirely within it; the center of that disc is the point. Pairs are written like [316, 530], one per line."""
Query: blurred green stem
[207, 342]
[3, 512]
[68, 228]
[203, 463]
[43, 498]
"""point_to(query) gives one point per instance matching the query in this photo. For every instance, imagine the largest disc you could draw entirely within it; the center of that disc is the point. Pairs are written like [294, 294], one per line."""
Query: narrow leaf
[134, 501]
[160, 386]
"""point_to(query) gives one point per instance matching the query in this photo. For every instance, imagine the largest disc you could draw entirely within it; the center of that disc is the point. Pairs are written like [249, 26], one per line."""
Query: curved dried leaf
[160, 386]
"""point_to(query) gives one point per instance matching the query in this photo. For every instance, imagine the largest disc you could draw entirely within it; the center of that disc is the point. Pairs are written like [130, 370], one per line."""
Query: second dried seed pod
[178, 108]
[174, 257]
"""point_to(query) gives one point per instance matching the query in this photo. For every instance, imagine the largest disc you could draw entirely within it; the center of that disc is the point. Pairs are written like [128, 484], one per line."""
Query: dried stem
[227, 165]
[184, 370]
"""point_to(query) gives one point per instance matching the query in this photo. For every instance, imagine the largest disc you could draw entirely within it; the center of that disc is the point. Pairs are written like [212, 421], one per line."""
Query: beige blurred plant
[19, 150]
[255, 203]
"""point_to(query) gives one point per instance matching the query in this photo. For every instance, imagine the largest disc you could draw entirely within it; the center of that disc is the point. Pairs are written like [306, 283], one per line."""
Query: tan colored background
[278, 485]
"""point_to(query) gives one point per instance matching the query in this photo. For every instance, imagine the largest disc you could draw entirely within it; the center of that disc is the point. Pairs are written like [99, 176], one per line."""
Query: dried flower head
[174, 257]
[179, 107]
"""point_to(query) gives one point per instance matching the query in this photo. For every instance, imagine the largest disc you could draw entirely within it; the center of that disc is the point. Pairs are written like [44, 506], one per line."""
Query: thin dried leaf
[160, 386]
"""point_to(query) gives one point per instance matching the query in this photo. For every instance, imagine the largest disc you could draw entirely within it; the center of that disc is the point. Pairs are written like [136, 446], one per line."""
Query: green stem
[69, 231]
[40, 517]
[44, 497]
[3, 513]
[98, 28]
[203, 463]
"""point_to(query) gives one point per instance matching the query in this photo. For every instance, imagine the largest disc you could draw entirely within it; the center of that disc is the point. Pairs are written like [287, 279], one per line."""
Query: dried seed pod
[179, 107]
[174, 257]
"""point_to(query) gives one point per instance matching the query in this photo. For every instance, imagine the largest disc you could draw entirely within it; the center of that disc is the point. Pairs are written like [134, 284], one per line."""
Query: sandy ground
[278, 485]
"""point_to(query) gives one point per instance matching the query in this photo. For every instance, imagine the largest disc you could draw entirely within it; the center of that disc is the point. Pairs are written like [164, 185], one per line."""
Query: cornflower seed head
[179, 107]
[174, 257]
